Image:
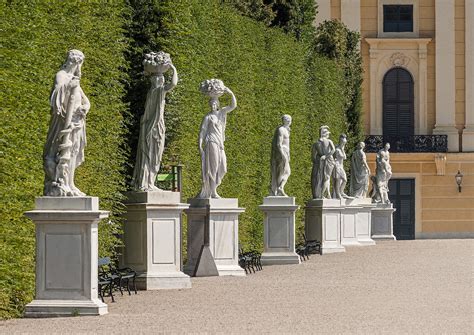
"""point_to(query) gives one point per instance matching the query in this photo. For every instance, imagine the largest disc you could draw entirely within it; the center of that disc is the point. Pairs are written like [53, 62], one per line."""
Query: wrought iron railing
[415, 143]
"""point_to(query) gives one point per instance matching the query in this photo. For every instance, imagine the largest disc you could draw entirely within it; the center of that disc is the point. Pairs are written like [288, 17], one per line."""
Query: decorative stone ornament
[323, 164]
[212, 137]
[399, 59]
[66, 140]
[440, 161]
[151, 141]
[280, 157]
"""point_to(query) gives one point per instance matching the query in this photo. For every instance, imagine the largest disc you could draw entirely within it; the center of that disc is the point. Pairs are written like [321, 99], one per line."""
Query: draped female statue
[360, 173]
[339, 175]
[280, 157]
[383, 173]
[323, 164]
[64, 147]
[151, 141]
[212, 137]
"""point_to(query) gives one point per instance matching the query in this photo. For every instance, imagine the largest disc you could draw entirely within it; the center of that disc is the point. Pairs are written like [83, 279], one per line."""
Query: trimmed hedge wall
[35, 39]
[270, 73]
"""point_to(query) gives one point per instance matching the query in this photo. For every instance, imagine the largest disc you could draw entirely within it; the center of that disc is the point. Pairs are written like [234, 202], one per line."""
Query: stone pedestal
[349, 212]
[279, 230]
[223, 234]
[382, 222]
[364, 221]
[66, 257]
[152, 239]
[323, 223]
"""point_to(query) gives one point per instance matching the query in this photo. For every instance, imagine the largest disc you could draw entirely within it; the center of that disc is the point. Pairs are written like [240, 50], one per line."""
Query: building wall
[441, 210]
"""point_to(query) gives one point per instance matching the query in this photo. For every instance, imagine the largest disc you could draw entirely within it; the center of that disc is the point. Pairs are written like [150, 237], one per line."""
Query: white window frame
[407, 34]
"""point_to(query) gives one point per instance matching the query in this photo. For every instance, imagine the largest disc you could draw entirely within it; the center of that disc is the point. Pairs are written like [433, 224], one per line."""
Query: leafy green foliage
[35, 39]
[293, 16]
[335, 41]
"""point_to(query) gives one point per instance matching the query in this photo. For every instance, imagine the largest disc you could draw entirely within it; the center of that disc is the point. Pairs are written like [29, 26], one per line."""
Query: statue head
[324, 131]
[343, 139]
[214, 103]
[361, 145]
[73, 62]
[286, 120]
[387, 146]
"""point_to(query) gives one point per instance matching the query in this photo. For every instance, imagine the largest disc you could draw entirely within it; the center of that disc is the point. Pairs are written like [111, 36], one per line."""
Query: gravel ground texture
[399, 287]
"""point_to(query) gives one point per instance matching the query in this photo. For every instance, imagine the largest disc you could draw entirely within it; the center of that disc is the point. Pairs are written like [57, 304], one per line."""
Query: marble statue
[66, 140]
[280, 158]
[323, 164]
[151, 141]
[339, 175]
[383, 173]
[360, 173]
[212, 137]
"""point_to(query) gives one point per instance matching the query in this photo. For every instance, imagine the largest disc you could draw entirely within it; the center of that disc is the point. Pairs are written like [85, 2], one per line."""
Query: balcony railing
[415, 143]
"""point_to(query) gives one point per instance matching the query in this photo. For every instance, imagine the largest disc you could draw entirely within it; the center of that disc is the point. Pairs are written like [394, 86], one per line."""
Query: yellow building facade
[418, 94]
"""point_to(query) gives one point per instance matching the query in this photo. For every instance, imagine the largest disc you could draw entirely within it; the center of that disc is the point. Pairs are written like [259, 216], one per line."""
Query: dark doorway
[398, 112]
[402, 195]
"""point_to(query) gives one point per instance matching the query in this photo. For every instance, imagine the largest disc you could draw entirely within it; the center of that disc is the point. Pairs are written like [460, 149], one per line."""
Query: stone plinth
[152, 239]
[323, 223]
[382, 222]
[223, 234]
[349, 212]
[364, 221]
[66, 257]
[279, 230]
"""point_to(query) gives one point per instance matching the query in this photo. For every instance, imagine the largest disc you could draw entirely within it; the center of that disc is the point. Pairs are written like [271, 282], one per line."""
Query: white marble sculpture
[383, 173]
[280, 157]
[151, 141]
[360, 173]
[64, 148]
[323, 164]
[212, 137]
[339, 175]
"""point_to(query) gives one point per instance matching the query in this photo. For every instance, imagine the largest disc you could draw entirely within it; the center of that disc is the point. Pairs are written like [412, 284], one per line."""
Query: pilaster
[468, 134]
[324, 12]
[445, 73]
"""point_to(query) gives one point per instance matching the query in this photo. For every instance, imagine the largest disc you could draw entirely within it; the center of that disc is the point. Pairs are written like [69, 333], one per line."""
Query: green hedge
[270, 73]
[35, 38]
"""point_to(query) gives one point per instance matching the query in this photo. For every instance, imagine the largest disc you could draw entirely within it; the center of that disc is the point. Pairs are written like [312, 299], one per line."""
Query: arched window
[398, 110]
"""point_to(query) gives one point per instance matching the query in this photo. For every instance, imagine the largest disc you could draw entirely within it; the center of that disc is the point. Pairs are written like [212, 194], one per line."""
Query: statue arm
[202, 134]
[364, 162]
[233, 103]
[279, 143]
[174, 79]
[85, 105]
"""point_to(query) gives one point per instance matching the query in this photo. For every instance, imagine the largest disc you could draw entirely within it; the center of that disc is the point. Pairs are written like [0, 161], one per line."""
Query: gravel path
[423, 286]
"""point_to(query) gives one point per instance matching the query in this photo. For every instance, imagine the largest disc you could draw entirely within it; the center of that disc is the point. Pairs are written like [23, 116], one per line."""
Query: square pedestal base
[152, 239]
[382, 222]
[66, 257]
[62, 308]
[223, 234]
[279, 230]
[323, 223]
[163, 281]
